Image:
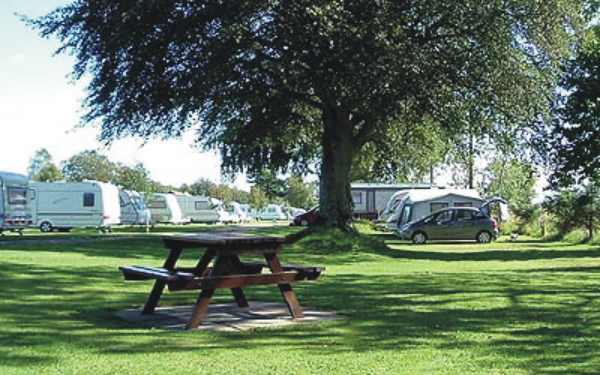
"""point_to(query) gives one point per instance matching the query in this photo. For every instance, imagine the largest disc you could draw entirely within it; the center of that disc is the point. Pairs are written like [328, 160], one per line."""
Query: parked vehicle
[239, 211]
[310, 217]
[410, 205]
[197, 209]
[164, 208]
[452, 224]
[370, 199]
[66, 205]
[249, 214]
[272, 212]
[133, 208]
[228, 214]
[15, 208]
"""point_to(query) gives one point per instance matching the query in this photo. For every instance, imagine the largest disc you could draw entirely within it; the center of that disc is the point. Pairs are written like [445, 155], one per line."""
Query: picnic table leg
[236, 268]
[286, 289]
[201, 307]
[159, 285]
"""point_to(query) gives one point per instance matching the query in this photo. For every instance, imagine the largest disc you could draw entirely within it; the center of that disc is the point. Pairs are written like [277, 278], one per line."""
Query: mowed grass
[524, 307]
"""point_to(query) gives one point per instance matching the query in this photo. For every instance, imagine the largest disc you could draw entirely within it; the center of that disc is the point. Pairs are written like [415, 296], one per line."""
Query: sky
[40, 106]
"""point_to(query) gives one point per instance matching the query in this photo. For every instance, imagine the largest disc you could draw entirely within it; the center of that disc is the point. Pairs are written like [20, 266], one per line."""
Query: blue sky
[40, 107]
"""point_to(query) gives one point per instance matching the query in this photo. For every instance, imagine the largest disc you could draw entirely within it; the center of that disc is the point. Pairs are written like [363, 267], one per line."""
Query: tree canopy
[576, 145]
[42, 167]
[287, 84]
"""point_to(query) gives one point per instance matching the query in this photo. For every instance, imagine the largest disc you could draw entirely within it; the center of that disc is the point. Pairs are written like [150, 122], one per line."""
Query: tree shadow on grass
[544, 324]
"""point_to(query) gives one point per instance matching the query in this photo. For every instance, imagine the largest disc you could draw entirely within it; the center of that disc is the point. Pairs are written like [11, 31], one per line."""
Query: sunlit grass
[505, 307]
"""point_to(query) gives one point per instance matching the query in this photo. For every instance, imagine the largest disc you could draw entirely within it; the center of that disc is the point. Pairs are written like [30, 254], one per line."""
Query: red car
[310, 217]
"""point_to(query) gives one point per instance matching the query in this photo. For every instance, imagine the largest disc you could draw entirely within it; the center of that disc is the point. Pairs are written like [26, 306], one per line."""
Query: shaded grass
[525, 307]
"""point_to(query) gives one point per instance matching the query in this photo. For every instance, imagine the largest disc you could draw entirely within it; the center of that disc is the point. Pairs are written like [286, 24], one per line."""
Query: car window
[464, 215]
[443, 217]
[463, 204]
[435, 206]
[406, 214]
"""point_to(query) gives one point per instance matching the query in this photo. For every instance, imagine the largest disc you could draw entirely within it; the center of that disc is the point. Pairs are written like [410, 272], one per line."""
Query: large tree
[291, 83]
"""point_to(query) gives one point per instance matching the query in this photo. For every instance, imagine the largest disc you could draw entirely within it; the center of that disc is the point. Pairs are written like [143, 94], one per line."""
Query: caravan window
[357, 198]
[202, 205]
[89, 199]
[17, 195]
[157, 204]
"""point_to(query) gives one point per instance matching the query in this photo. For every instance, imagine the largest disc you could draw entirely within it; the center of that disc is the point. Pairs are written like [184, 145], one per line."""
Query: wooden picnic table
[228, 270]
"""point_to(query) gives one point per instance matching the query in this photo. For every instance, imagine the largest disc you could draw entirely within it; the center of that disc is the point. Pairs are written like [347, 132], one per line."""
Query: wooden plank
[150, 273]
[159, 285]
[233, 281]
[286, 289]
[202, 265]
[304, 272]
[232, 239]
[200, 309]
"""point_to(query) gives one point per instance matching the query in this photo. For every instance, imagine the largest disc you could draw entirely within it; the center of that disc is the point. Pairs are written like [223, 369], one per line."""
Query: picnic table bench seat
[249, 274]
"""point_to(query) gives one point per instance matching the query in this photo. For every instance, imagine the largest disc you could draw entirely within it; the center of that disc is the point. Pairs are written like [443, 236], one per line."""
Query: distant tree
[202, 187]
[576, 207]
[89, 165]
[512, 180]
[257, 198]
[271, 185]
[42, 168]
[299, 193]
[280, 84]
[576, 136]
[48, 173]
[135, 178]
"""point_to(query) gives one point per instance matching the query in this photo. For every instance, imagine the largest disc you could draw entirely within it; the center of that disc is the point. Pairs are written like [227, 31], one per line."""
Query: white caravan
[239, 211]
[133, 208]
[15, 211]
[410, 205]
[198, 209]
[66, 205]
[164, 208]
[272, 212]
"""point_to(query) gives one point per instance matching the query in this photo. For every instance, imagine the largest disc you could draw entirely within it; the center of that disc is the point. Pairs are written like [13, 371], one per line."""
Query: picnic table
[227, 270]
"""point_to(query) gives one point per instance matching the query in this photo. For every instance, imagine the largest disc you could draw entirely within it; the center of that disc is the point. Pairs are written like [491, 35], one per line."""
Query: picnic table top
[221, 239]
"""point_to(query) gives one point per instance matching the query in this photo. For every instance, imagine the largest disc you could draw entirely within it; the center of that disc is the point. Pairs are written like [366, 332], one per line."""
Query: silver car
[451, 224]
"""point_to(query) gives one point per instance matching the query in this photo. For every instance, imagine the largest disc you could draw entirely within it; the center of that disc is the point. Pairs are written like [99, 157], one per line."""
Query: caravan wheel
[46, 227]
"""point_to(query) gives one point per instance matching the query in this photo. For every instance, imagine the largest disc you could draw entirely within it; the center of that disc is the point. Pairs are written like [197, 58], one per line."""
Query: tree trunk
[335, 198]
[471, 162]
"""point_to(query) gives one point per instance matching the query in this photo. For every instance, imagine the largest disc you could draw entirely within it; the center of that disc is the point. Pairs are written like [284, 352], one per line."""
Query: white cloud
[32, 120]
[17, 58]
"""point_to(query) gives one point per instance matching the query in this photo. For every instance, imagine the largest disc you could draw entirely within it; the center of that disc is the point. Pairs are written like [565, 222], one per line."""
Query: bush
[576, 236]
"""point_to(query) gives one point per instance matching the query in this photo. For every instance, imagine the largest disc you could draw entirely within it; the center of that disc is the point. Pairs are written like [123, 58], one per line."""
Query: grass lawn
[526, 307]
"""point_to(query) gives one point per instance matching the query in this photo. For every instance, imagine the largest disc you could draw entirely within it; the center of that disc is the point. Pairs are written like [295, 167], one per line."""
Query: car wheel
[419, 238]
[484, 237]
[46, 227]
[304, 223]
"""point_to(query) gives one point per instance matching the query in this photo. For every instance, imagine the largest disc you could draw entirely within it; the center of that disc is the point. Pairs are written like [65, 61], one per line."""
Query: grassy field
[525, 307]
